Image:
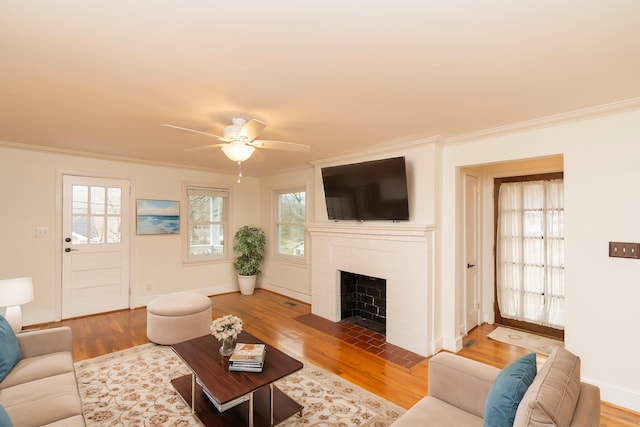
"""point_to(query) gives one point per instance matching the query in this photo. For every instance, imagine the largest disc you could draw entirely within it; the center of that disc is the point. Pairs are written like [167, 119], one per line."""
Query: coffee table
[266, 404]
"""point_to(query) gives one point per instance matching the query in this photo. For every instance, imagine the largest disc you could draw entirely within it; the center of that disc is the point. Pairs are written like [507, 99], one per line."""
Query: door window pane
[114, 201]
[96, 215]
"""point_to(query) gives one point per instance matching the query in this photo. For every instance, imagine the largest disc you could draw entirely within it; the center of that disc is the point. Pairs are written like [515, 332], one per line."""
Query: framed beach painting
[158, 217]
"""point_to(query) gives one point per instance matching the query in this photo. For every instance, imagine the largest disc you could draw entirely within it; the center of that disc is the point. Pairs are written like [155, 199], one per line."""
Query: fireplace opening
[363, 301]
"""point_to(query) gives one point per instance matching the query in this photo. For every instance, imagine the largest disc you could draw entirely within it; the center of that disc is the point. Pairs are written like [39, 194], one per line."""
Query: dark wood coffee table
[266, 404]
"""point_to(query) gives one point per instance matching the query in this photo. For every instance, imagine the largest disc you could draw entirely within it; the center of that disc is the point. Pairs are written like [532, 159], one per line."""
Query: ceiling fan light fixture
[238, 151]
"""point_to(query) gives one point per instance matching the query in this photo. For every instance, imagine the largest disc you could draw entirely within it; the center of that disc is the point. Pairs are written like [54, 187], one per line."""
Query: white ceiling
[338, 75]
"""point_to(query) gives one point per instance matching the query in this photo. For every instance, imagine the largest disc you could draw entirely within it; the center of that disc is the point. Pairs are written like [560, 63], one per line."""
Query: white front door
[95, 257]
[471, 297]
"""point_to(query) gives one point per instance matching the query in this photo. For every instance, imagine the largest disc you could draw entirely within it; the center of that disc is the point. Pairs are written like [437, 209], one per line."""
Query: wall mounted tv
[367, 191]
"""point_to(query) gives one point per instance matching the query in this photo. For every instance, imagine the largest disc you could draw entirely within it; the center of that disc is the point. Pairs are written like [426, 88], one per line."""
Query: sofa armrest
[461, 382]
[44, 341]
[587, 413]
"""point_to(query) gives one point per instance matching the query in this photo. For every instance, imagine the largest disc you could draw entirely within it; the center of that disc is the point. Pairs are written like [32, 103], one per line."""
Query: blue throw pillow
[5, 421]
[9, 349]
[507, 391]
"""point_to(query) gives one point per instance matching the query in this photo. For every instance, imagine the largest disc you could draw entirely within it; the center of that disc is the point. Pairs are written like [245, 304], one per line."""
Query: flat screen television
[367, 191]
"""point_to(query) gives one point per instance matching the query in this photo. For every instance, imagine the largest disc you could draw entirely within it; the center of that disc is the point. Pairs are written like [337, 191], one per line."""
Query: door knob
[470, 265]
[69, 249]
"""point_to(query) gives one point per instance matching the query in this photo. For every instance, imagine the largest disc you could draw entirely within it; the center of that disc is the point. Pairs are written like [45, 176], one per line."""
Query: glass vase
[227, 347]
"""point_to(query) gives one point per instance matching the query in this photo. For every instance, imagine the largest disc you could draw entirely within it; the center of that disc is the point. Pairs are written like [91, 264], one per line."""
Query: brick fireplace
[363, 301]
[400, 253]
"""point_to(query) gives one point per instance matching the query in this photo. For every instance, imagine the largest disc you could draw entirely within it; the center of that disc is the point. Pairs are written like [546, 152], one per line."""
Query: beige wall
[602, 172]
[30, 198]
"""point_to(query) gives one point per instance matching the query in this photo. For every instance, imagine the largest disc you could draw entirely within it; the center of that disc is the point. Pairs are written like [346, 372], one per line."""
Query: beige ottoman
[177, 317]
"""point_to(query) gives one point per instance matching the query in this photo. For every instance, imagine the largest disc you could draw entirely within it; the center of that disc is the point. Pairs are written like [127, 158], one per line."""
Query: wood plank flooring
[272, 318]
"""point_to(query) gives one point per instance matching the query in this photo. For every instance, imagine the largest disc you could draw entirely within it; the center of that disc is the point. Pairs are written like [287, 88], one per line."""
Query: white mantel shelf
[397, 230]
[400, 253]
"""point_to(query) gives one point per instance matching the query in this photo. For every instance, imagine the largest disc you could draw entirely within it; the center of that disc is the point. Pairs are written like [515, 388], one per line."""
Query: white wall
[421, 161]
[602, 172]
[30, 198]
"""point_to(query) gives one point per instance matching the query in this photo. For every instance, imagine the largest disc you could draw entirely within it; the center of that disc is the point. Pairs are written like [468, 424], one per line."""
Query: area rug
[532, 342]
[132, 388]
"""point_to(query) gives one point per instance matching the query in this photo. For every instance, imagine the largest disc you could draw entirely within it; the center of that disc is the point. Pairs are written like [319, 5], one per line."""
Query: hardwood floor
[271, 317]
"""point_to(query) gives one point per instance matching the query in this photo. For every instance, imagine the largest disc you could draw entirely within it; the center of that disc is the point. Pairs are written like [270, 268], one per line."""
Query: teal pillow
[507, 391]
[9, 349]
[5, 421]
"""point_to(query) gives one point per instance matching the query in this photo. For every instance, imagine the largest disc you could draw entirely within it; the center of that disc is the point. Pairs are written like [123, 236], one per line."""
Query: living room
[597, 147]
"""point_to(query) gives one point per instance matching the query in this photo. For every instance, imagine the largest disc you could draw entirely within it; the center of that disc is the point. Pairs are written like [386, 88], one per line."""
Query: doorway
[95, 247]
[529, 259]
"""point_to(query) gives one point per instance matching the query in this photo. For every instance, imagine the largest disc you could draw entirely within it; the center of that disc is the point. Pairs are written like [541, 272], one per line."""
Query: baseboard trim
[286, 292]
[618, 396]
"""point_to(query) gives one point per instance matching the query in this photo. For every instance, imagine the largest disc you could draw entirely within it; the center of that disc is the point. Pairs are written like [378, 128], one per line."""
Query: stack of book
[221, 407]
[247, 358]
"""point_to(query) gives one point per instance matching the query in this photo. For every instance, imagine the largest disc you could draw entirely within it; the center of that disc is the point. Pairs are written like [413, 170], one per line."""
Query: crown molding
[98, 156]
[571, 116]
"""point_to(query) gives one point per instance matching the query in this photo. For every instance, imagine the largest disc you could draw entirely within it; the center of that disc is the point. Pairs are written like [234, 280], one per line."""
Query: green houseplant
[248, 245]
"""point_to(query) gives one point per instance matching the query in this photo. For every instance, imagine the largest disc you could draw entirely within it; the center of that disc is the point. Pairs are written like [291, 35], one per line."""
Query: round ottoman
[177, 317]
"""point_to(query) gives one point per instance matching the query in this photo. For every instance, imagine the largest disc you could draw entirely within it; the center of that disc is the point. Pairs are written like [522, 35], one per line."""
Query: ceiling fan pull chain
[239, 171]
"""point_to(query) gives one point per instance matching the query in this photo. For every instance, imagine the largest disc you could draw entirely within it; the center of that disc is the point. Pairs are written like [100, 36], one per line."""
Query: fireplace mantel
[400, 253]
[395, 230]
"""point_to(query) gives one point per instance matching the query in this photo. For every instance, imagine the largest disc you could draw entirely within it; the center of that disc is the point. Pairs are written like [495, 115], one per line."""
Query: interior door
[95, 258]
[471, 291]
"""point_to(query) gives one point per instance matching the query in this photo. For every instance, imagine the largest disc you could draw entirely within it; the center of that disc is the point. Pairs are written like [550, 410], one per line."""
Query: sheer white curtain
[530, 252]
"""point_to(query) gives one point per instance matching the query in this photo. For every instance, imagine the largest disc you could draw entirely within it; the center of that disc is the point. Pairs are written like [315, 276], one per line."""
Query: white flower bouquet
[228, 326]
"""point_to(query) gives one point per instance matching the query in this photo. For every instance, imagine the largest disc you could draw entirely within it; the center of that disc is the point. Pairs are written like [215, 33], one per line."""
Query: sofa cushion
[9, 349]
[5, 421]
[33, 368]
[433, 412]
[551, 400]
[75, 421]
[41, 402]
[507, 390]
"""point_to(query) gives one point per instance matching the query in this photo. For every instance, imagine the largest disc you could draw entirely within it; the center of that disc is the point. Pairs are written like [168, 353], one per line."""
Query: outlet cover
[624, 250]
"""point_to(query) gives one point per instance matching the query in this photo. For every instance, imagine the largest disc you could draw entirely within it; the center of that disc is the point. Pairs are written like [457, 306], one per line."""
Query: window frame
[225, 192]
[276, 193]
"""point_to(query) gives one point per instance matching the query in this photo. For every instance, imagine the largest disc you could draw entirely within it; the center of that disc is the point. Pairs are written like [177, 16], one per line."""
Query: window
[206, 222]
[96, 214]
[290, 218]
[530, 252]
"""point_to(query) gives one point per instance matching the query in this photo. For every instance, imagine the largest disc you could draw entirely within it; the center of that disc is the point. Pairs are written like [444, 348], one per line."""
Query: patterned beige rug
[132, 388]
[532, 342]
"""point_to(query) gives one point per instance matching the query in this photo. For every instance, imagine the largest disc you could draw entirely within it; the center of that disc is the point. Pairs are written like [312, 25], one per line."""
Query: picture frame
[157, 217]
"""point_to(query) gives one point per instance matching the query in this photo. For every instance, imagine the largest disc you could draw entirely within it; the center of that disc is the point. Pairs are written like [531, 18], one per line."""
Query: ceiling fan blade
[193, 130]
[205, 147]
[279, 145]
[252, 129]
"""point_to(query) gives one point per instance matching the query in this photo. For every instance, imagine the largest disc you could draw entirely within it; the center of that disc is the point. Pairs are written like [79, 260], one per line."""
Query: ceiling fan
[240, 139]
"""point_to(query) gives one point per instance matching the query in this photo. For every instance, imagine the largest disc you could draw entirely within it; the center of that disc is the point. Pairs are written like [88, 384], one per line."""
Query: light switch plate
[624, 250]
[42, 232]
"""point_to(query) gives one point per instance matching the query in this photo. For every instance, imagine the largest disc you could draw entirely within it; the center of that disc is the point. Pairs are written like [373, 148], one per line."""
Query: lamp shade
[238, 151]
[16, 291]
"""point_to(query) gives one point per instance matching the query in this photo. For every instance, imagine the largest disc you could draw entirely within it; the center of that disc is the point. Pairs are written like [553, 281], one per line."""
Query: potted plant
[248, 246]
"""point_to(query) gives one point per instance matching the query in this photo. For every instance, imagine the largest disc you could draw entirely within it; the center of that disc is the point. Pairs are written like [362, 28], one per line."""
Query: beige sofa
[458, 389]
[41, 389]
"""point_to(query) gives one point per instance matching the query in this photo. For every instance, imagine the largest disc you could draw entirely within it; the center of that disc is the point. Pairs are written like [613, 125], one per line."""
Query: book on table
[247, 357]
[221, 407]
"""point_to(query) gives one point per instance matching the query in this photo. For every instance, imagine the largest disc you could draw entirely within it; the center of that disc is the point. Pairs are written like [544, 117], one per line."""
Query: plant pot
[247, 284]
